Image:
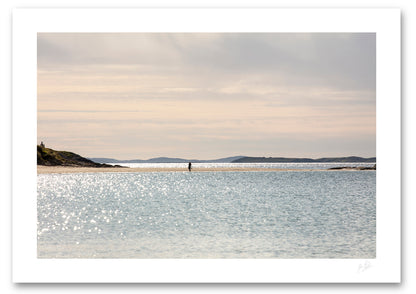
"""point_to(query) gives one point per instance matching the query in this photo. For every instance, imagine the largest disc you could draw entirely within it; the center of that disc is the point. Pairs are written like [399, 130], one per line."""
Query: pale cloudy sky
[206, 96]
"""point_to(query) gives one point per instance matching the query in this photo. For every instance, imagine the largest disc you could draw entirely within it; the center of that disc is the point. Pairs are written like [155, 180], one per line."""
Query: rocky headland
[50, 157]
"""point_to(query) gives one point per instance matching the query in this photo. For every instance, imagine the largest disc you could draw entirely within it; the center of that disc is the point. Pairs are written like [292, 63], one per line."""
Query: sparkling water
[272, 214]
[271, 165]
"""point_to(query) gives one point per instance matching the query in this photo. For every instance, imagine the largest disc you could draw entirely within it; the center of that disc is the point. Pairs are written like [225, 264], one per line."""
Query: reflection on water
[296, 165]
[286, 214]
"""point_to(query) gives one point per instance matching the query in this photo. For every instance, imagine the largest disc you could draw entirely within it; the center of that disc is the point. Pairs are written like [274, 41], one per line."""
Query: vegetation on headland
[50, 157]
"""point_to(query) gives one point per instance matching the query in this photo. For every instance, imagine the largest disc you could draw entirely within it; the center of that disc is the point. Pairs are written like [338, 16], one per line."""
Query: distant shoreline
[241, 159]
[42, 169]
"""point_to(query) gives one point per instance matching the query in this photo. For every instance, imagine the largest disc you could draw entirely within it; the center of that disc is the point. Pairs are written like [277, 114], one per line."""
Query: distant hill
[226, 159]
[163, 160]
[237, 159]
[354, 159]
[50, 157]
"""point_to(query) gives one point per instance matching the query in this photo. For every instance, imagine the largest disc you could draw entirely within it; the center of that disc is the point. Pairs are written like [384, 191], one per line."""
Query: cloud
[327, 59]
[228, 89]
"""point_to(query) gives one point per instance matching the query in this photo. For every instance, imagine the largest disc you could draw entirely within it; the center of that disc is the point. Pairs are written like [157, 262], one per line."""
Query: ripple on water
[207, 215]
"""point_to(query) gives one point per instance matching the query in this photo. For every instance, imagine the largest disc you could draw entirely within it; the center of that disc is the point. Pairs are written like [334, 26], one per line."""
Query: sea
[303, 214]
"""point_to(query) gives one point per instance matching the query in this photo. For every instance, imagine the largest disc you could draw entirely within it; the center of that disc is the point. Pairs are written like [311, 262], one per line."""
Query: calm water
[302, 214]
[297, 165]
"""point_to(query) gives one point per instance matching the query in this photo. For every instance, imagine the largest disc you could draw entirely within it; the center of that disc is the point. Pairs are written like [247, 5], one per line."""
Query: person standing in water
[189, 166]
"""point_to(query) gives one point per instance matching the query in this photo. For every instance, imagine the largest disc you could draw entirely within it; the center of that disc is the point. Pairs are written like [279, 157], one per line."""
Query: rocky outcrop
[353, 168]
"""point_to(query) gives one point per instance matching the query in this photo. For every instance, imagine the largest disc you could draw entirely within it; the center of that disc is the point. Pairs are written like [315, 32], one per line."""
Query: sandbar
[72, 169]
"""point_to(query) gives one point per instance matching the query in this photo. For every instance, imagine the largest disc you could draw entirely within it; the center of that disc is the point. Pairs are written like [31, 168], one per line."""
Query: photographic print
[206, 145]
[264, 151]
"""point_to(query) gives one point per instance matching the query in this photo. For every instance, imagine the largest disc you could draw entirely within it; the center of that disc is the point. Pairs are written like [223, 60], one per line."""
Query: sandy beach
[69, 169]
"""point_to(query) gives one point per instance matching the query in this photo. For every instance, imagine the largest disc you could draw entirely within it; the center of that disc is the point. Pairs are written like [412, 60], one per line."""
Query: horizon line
[289, 157]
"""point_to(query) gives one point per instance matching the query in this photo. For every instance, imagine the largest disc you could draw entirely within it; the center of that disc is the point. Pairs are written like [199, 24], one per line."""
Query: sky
[207, 95]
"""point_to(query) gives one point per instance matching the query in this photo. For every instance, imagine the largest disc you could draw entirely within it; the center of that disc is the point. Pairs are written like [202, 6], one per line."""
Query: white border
[28, 22]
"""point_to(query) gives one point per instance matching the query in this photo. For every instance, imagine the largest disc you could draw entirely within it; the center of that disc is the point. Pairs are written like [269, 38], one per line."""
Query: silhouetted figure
[42, 145]
[189, 166]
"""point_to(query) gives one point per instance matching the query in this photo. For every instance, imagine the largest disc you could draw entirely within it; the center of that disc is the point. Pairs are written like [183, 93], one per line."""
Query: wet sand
[69, 169]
